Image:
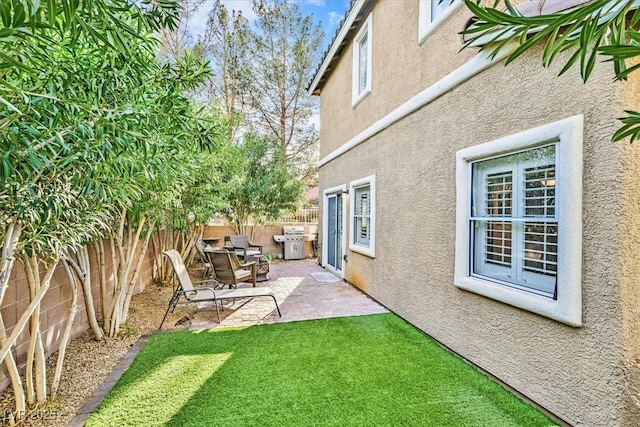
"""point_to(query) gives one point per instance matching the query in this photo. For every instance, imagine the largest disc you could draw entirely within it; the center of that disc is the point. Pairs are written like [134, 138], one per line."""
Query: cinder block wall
[54, 309]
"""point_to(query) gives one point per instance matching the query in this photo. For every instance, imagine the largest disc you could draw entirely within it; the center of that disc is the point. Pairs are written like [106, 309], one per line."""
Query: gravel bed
[88, 362]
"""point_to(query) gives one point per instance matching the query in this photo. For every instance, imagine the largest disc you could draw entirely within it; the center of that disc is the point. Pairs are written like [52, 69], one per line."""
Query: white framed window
[433, 13]
[362, 219]
[519, 220]
[361, 86]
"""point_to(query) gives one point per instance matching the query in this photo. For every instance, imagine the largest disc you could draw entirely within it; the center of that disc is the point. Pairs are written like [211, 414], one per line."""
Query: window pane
[363, 61]
[499, 194]
[540, 191]
[362, 201]
[362, 215]
[541, 248]
[498, 243]
[362, 231]
[513, 240]
[492, 249]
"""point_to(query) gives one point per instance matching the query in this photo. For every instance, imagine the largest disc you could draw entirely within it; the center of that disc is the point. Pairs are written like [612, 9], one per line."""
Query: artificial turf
[372, 370]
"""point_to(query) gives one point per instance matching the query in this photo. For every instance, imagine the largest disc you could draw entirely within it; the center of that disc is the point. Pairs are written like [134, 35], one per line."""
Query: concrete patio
[300, 295]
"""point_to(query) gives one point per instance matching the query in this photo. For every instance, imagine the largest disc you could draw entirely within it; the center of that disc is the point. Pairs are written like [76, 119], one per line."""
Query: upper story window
[362, 219]
[362, 63]
[519, 220]
[433, 13]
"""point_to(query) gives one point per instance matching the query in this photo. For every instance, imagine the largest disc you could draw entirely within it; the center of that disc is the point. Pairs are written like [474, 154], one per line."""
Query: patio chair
[244, 248]
[200, 245]
[205, 294]
[229, 270]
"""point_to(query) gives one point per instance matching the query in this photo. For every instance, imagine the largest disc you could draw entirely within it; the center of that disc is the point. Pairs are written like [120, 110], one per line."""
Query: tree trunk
[62, 348]
[108, 317]
[35, 376]
[12, 237]
[14, 374]
[33, 305]
[194, 233]
[33, 276]
[82, 270]
[156, 271]
[98, 247]
[136, 273]
[127, 246]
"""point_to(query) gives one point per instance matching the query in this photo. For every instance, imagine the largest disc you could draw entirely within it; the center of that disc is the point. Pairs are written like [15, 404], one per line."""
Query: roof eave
[339, 41]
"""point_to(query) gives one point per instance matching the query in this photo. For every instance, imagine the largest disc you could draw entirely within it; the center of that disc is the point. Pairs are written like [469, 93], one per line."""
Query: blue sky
[327, 12]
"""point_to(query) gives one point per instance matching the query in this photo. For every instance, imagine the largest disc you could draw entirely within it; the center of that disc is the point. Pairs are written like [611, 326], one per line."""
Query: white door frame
[342, 190]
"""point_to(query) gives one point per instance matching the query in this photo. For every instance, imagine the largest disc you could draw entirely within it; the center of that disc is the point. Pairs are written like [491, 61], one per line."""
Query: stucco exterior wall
[629, 266]
[391, 84]
[584, 375]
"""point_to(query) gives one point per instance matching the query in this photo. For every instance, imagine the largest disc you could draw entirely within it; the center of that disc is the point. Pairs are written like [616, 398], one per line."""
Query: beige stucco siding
[576, 373]
[629, 261]
[397, 74]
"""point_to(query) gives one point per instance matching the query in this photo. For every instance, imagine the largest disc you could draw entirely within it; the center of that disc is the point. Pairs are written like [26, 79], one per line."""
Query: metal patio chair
[244, 248]
[229, 270]
[200, 246]
[206, 294]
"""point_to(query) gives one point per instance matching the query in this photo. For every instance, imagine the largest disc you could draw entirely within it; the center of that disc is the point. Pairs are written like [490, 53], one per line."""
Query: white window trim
[425, 25]
[567, 308]
[370, 250]
[366, 29]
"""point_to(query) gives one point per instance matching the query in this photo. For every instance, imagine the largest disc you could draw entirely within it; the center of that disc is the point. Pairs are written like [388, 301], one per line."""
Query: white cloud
[315, 2]
[334, 18]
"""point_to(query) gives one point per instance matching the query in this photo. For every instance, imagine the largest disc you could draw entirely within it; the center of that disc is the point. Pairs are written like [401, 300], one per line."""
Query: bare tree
[261, 71]
[226, 44]
[174, 40]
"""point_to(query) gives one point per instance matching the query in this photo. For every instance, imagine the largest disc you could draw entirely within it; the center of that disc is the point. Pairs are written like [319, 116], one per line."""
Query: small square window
[519, 220]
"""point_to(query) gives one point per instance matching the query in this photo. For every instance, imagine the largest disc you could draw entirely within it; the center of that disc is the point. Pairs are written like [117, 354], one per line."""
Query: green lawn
[357, 371]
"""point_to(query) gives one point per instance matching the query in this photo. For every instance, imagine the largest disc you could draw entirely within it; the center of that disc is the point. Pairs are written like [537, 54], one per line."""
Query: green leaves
[262, 184]
[600, 28]
[89, 122]
[630, 127]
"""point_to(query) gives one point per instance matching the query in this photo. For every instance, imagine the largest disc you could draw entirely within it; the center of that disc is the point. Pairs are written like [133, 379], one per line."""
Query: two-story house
[486, 204]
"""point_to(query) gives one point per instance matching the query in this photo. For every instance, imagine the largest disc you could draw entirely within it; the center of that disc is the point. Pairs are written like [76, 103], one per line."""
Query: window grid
[541, 248]
[361, 216]
[498, 247]
[499, 194]
[517, 237]
[539, 191]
